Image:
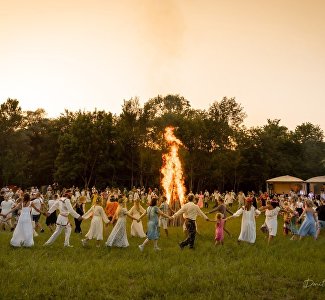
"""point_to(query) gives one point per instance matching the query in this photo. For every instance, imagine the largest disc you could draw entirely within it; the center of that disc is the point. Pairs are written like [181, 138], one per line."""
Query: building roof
[318, 179]
[285, 178]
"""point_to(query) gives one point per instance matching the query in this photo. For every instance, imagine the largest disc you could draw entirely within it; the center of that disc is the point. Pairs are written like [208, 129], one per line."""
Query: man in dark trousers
[190, 211]
[321, 217]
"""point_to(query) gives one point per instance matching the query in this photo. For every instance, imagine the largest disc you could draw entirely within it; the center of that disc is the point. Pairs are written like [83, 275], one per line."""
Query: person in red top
[111, 207]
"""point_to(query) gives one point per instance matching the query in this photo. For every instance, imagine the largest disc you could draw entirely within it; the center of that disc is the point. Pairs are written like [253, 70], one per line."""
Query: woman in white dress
[271, 219]
[23, 233]
[136, 227]
[248, 224]
[96, 225]
[118, 236]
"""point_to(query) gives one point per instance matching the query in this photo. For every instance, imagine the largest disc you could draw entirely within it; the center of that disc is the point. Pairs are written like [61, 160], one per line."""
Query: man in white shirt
[228, 199]
[6, 205]
[190, 211]
[62, 222]
[37, 205]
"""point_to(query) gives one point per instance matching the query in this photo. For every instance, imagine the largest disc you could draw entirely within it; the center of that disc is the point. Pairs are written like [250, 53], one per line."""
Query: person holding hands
[190, 211]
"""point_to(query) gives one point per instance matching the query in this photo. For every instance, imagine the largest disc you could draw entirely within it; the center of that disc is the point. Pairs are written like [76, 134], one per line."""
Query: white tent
[316, 184]
[318, 179]
[285, 184]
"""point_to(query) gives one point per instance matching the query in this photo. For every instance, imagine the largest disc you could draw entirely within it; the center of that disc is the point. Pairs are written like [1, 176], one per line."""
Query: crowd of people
[21, 212]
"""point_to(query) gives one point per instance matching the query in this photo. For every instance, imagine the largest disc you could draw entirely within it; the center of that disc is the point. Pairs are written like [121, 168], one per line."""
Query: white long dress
[137, 227]
[96, 226]
[118, 237]
[248, 224]
[271, 220]
[23, 233]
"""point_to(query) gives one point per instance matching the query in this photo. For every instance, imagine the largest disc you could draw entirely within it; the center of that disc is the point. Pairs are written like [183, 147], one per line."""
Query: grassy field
[231, 271]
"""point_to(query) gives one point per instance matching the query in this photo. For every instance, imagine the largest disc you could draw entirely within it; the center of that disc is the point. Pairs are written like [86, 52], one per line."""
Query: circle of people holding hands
[302, 216]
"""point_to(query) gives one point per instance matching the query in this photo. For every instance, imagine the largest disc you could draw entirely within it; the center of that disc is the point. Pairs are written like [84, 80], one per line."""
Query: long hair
[26, 198]
[153, 201]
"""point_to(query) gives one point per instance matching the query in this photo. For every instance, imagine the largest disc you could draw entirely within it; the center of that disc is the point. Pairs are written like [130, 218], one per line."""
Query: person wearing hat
[62, 222]
[248, 224]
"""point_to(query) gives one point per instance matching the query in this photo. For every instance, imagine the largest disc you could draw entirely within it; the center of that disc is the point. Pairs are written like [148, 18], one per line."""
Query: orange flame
[173, 180]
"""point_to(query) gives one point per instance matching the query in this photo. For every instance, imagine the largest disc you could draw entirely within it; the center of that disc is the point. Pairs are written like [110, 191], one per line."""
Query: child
[163, 222]
[220, 222]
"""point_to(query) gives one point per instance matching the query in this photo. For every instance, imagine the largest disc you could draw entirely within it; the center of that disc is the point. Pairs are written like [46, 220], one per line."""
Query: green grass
[226, 272]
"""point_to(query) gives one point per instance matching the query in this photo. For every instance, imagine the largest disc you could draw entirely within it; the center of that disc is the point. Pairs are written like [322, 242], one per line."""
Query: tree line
[98, 148]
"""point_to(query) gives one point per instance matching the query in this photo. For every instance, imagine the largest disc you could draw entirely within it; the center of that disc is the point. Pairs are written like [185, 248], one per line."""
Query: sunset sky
[83, 54]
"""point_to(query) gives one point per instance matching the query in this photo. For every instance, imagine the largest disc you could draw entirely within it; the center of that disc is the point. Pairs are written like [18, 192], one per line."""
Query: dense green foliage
[231, 271]
[99, 148]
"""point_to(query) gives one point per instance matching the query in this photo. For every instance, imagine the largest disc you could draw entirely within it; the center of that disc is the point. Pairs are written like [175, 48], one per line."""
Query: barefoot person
[62, 222]
[190, 211]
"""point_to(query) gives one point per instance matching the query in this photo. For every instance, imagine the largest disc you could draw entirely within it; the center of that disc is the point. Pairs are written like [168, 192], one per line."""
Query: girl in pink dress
[219, 234]
[200, 202]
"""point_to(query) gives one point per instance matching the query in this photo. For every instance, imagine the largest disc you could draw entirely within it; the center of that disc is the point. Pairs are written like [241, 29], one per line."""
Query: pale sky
[83, 54]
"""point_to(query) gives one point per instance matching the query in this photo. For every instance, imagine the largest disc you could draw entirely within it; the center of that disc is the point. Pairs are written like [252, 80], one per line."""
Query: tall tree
[82, 147]
[10, 121]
